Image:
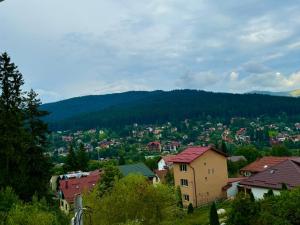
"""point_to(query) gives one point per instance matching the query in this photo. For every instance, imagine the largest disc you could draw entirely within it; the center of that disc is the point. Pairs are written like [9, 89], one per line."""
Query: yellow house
[201, 173]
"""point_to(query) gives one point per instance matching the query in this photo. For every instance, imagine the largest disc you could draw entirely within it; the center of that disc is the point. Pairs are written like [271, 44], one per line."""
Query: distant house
[201, 173]
[237, 158]
[72, 185]
[138, 168]
[262, 164]
[165, 162]
[285, 172]
[172, 146]
[154, 146]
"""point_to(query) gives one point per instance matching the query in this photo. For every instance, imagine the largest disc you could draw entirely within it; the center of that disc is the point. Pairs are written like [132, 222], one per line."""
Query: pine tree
[12, 133]
[270, 193]
[213, 215]
[224, 147]
[71, 160]
[284, 187]
[179, 197]
[38, 165]
[82, 158]
[190, 209]
[251, 196]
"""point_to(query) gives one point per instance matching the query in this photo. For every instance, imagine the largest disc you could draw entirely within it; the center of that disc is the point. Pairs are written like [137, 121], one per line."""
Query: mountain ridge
[119, 110]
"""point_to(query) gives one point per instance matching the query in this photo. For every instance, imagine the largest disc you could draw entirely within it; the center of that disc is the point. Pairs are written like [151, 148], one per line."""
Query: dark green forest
[160, 106]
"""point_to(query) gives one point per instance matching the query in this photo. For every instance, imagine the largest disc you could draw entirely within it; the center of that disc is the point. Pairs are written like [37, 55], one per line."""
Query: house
[285, 172]
[201, 173]
[165, 162]
[72, 185]
[138, 168]
[237, 158]
[172, 146]
[262, 164]
[154, 146]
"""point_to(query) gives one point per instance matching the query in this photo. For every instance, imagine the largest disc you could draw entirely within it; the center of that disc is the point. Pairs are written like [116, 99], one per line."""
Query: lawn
[200, 215]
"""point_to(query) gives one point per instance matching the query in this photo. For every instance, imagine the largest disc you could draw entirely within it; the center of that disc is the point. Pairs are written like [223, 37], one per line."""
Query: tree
[110, 176]
[122, 160]
[82, 158]
[143, 202]
[284, 187]
[71, 163]
[243, 211]
[170, 178]
[23, 165]
[13, 137]
[269, 194]
[179, 197]
[252, 198]
[249, 151]
[213, 215]
[36, 212]
[224, 147]
[280, 150]
[38, 165]
[190, 209]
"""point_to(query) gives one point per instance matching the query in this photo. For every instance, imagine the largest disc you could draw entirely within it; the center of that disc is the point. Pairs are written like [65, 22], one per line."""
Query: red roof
[265, 162]
[287, 171]
[168, 158]
[235, 179]
[192, 153]
[76, 186]
[153, 143]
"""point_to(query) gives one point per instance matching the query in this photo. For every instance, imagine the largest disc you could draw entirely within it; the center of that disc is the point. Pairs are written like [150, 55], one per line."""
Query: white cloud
[234, 76]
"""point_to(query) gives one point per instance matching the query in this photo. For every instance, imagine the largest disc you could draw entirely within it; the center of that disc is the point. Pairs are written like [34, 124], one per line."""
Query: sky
[71, 48]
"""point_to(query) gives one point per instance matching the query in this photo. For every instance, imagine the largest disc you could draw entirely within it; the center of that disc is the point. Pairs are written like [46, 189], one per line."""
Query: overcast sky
[67, 48]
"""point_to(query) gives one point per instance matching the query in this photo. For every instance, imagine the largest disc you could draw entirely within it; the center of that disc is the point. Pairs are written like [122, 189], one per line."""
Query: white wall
[233, 190]
[161, 164]
[259, 192]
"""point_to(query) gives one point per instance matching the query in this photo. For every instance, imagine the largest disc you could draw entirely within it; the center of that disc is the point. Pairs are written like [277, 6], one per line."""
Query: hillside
[117, 110]
[294, 93]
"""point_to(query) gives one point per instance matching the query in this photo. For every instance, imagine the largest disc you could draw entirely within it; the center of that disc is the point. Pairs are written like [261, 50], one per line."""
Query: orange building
[201, 173]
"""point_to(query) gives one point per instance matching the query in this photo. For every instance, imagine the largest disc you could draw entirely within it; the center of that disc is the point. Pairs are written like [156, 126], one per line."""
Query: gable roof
[168, 159]
[75, 186]
[192, 153]
[140, 168]
[264, 163]
[287, 171]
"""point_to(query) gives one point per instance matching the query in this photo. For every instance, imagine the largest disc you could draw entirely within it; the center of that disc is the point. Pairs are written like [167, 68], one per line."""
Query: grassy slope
[200, 215]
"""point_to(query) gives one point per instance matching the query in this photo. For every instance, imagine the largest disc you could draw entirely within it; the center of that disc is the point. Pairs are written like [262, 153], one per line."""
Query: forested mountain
[117, 110]
[294, 93]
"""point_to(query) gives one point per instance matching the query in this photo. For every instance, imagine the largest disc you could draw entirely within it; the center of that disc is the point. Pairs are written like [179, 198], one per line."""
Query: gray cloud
[70, 48]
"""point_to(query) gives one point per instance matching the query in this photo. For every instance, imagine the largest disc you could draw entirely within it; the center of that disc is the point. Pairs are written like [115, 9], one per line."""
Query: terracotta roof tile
[75, 186]
[265, 162]
[287, 171]
[192, 153]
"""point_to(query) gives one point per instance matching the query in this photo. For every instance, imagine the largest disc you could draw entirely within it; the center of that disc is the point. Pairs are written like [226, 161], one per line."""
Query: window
[183, 167]
[184, 182]
[186, 197]
[205, 178]
[208, 171]
[212, 171]
[205, 164]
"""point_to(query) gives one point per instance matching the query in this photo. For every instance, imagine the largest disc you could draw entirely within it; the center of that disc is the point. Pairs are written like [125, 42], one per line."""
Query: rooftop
[192, 153]
[287, 172]
[139, 168]
[75, 186]
[265, 162]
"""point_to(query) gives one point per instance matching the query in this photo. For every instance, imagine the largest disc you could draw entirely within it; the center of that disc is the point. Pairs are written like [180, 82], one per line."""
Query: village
[200, 159]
